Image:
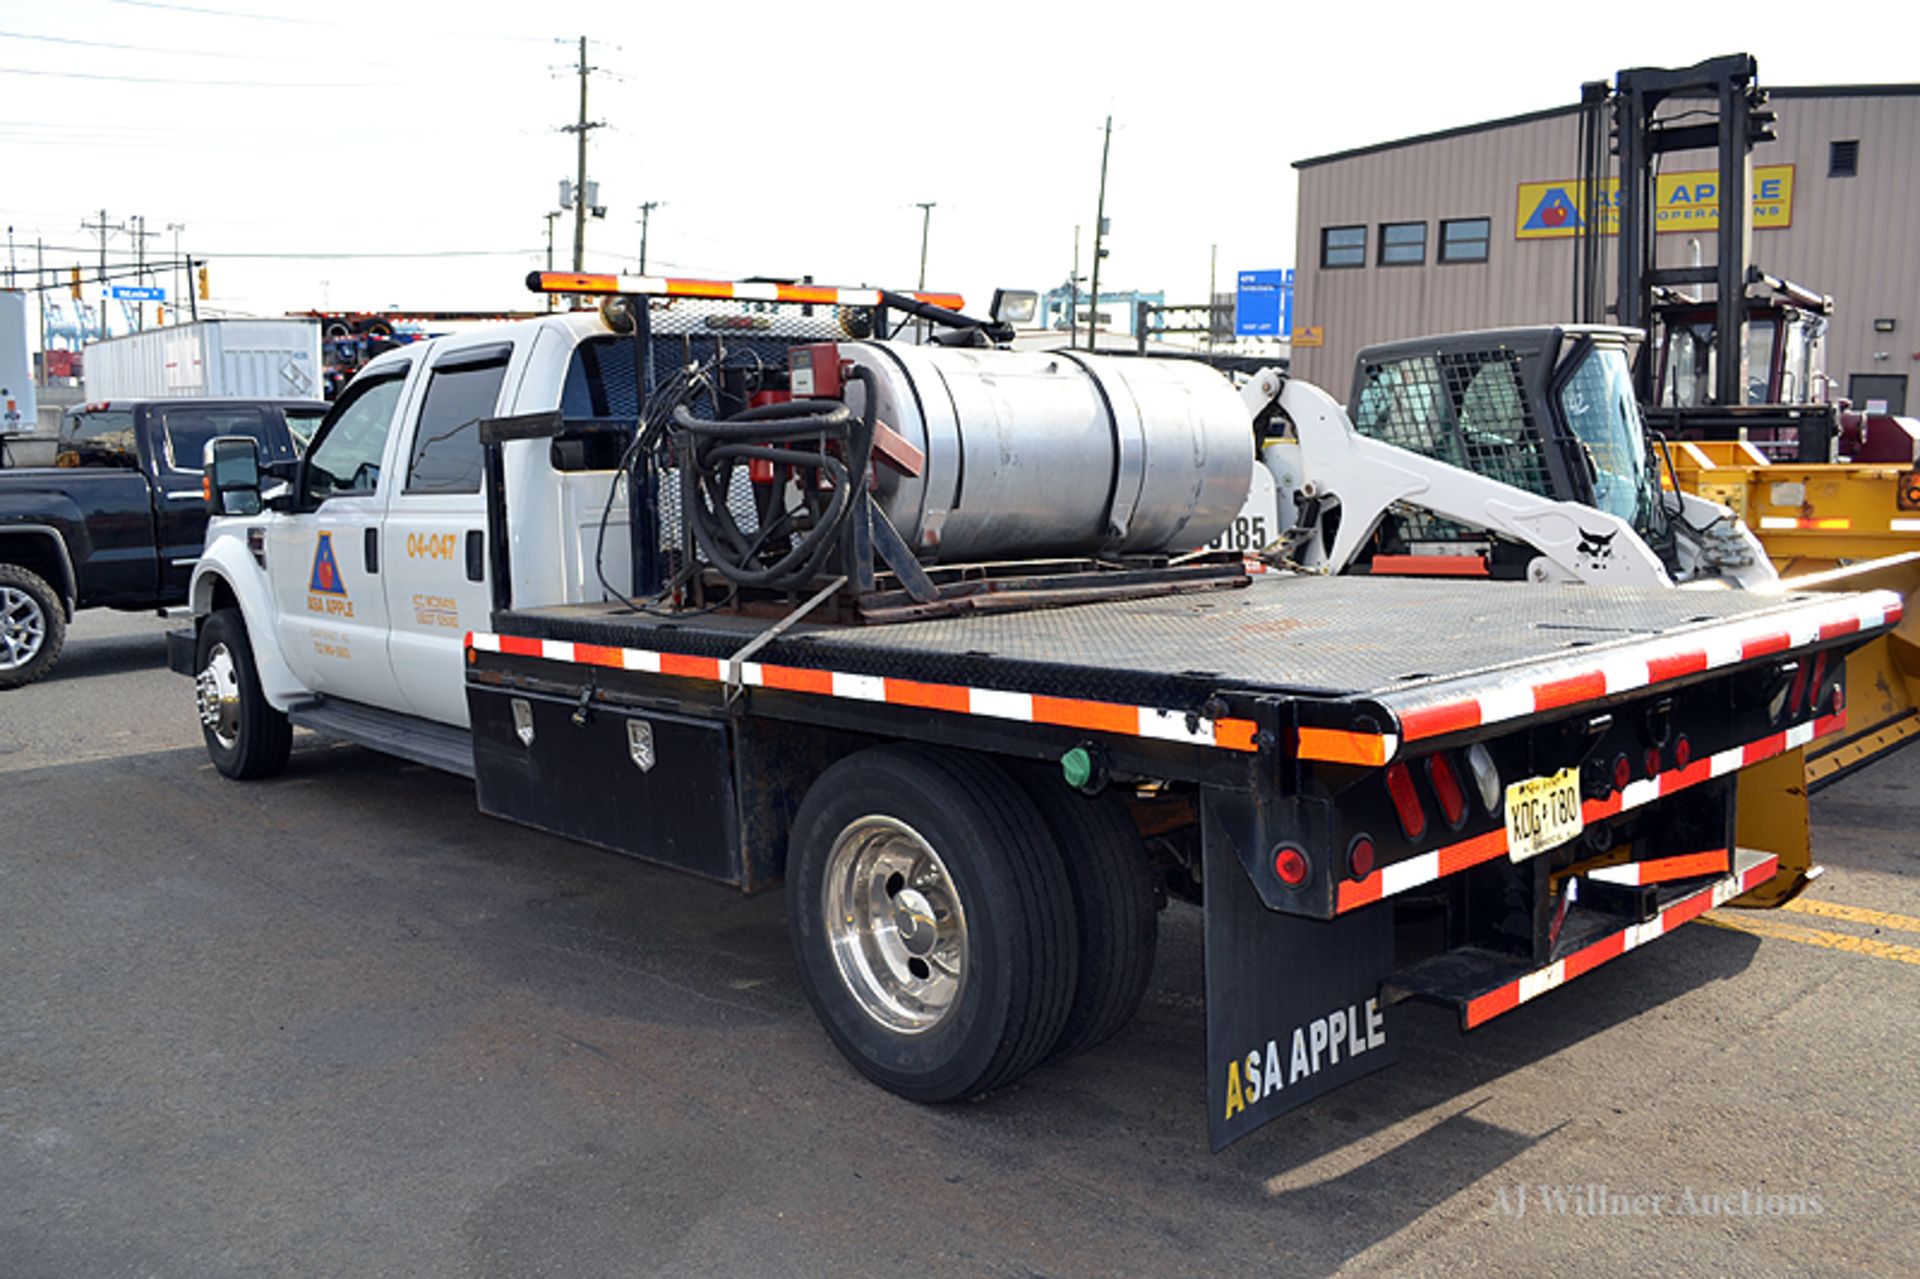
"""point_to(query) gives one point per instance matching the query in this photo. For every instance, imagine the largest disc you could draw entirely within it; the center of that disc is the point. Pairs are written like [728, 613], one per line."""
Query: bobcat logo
[1597, 547]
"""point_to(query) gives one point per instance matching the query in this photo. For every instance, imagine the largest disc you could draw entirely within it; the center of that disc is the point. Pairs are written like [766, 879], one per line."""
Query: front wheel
[932, 921]
[33, 626]
[246, 737]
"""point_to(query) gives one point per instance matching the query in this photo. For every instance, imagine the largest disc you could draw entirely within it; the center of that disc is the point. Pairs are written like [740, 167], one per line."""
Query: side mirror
[230, 475]
[1014, 306]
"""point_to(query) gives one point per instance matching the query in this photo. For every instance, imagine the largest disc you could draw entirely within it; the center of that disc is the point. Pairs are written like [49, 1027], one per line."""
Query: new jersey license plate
[1542, 813]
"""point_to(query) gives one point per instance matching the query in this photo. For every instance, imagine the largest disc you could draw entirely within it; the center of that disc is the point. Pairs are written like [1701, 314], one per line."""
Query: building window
[1465, 239]
[1403, 243]
[1843, 158]
[1343, 246]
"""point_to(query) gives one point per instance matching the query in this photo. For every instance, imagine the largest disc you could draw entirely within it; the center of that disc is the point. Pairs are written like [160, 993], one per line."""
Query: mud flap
[1293, 1007]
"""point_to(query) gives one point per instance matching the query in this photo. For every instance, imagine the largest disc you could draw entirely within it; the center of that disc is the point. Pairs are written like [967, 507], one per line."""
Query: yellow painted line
[1818, 937]
[1856, 915]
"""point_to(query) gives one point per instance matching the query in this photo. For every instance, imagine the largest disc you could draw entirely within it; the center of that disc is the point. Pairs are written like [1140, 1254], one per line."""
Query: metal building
[1474, 228]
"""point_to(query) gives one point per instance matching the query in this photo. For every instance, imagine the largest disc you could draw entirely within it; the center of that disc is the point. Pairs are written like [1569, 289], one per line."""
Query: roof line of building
[1571, 108]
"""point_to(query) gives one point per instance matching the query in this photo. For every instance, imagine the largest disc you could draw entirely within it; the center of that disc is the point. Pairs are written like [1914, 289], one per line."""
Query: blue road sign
[1263, 304]
[128, 293]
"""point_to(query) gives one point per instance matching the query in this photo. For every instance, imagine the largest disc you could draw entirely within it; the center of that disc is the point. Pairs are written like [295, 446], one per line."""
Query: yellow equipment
[1832, 527]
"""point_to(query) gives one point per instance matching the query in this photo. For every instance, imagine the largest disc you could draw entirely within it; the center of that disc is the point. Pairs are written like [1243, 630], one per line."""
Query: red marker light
[1360, 857]
[1653, 761]
[1682, 752]
[1406, 801]
[1446, 789]
[1290, 864]
[1622, 772]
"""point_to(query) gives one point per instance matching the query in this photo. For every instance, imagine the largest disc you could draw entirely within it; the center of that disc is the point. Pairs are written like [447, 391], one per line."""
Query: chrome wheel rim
[896, 925]
[217, 689]
[23, 628]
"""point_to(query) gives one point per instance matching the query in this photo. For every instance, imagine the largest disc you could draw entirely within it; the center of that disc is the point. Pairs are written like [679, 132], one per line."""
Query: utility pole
[1073, 296]
[580, 129]
[557, 213]
[102, 226]
[1213, 275]
[12, 274]
[40, 278]
[140, 234]
[646, 215]
[179, 267]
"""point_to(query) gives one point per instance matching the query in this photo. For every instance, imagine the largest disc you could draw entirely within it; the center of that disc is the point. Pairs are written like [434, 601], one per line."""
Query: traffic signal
[74, 282]
[206, 290]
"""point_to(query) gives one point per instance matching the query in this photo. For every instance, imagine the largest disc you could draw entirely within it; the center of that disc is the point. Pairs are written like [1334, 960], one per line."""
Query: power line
[221, 84]
[220, 13]
[142, 48]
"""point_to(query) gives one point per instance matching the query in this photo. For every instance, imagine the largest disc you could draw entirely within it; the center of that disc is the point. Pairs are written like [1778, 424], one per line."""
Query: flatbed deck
[1318, 637]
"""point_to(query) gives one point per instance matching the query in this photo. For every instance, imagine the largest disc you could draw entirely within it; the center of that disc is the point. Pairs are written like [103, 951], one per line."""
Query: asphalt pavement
[339, 1023]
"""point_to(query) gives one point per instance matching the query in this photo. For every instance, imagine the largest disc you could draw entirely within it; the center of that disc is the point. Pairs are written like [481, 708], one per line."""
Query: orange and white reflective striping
[1438, 863]
[988, 703]
[1647, 664]
[1484, 1008]
[1662, 870]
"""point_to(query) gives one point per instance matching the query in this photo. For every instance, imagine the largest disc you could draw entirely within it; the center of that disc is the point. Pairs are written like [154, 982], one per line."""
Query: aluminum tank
[1034, 453]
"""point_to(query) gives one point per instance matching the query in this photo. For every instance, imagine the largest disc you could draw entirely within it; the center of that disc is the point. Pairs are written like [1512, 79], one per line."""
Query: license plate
[1543, 813]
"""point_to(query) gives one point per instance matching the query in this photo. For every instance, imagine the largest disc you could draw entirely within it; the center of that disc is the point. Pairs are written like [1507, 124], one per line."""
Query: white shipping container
[17, 412]
[264, 359]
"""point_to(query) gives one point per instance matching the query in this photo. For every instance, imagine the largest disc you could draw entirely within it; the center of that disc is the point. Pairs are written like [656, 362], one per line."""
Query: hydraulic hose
[710, 452]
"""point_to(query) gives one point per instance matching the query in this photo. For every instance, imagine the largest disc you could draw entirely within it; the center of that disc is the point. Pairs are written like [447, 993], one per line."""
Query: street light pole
[1099, 234]
[926, 223]
[179, 266]
[646, 215]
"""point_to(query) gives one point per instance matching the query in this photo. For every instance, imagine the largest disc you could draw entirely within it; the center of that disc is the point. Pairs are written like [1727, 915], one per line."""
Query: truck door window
[188, 430]
[446, 447]
[98, 437]
[345, 459]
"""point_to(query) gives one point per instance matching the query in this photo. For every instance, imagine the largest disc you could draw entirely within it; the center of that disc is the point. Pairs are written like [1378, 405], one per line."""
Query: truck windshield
[1599, 404]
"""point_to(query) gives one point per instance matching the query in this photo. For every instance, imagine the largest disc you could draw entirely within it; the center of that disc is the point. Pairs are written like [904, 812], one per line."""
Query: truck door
[325, 557]
[180, 511]
[436, 582]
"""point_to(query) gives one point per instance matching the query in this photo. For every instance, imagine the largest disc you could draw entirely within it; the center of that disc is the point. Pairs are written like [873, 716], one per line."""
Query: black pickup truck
[119, 520]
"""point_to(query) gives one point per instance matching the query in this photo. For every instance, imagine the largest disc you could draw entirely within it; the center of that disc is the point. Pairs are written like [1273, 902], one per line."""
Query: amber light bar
[724, 290]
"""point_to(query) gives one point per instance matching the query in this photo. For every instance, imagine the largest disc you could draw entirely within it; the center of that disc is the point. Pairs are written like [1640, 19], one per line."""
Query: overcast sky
[779, 140]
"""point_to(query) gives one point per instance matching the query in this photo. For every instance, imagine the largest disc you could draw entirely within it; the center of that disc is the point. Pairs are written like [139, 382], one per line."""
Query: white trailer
[17, 406]
[258, 359]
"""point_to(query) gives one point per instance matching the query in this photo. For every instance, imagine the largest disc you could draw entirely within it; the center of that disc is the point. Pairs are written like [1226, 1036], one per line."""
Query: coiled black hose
[775, 433]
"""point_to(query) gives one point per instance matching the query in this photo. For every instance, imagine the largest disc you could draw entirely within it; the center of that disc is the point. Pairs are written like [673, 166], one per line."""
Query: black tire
[246, 737]
[1115, 905]
[33, 626]
[1002, 869]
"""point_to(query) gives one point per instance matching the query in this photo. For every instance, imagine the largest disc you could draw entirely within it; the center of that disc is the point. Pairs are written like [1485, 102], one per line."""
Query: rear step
[1482, 985]
[438, 746]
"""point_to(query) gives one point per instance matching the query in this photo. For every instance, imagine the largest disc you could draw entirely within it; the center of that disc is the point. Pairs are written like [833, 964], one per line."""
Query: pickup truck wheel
[1114, 900]
[33, 626]
[246, 737]
[932, 921]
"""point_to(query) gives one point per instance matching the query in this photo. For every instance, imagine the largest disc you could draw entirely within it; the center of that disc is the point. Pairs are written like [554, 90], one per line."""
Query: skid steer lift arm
[1363, 479]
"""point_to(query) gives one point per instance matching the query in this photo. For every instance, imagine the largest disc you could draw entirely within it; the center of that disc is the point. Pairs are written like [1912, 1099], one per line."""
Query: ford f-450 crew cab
[713, 578]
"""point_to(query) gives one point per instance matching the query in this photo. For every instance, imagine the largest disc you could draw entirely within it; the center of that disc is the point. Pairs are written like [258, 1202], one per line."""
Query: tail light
[1446, 789]
[1290, 864]
[1653, 761]
[1819, 679]
[1682, 752]
[1406, 801]
[1622, 771]
[1797, 698]
[1360, 857]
